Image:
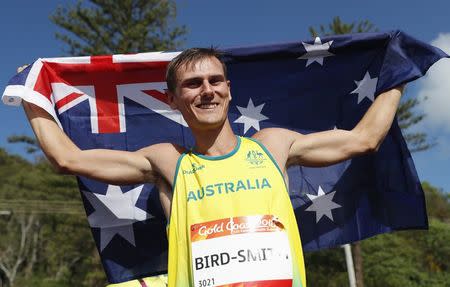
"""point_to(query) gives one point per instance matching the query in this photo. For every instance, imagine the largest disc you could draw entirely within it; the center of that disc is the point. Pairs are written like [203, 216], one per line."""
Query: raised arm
[329, 147]
[115, 167]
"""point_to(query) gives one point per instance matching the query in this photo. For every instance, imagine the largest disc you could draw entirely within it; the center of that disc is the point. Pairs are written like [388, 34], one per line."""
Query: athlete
[230, 216]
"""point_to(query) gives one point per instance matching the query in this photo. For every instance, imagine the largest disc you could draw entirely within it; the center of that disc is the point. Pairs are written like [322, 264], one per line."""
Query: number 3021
[206, 282]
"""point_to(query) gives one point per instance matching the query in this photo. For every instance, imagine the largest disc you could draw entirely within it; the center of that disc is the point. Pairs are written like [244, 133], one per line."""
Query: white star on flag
[316, 52]
[322, 204]
[366, 88]
[115, 212]
[250, 116]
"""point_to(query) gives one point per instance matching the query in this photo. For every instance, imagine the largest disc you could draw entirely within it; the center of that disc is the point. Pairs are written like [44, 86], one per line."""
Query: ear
[171, 100]
[229, 89]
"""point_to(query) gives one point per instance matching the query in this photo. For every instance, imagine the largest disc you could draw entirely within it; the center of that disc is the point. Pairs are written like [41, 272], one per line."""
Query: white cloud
[435, 87]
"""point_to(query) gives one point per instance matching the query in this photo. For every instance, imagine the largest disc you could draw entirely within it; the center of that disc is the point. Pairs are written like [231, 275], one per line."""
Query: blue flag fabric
[118, 102]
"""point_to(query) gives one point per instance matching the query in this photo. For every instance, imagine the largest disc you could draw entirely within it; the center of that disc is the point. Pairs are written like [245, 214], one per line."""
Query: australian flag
[118, 102]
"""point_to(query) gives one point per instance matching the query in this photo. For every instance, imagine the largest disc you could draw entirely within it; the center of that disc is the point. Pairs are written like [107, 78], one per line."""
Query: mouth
[206, 106]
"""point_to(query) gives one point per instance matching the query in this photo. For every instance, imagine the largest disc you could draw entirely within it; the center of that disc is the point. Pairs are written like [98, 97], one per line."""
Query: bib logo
[195, 168]
[255, 157]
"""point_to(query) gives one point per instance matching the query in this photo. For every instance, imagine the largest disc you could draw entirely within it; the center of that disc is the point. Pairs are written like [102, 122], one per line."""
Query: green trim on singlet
[174, 183]
[272, 159]
[219, 157]
[176, 170]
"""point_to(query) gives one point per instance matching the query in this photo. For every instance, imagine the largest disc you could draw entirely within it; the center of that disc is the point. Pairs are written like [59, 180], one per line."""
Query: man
[230, 216]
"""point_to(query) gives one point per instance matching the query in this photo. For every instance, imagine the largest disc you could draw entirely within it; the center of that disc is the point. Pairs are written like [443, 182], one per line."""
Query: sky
[28, 34]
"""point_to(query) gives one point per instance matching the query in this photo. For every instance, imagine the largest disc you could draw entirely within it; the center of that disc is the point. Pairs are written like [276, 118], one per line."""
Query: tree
[31, 143]
[46, 240]
[438, 202]
[406, 115]
[323, 265]
[407, 118]
[337, 27]
[420, 258]
[111, 27]
[19, 245]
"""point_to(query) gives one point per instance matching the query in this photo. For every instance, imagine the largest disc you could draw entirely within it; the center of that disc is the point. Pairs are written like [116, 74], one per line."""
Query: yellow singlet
[232, 222]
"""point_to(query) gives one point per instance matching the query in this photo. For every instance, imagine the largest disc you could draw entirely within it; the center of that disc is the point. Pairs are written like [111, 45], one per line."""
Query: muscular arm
[329, 147]
[115, 167]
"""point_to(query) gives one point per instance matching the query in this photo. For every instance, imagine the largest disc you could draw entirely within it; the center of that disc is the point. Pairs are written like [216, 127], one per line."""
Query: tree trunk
[358, 261]
[33, 249]
[12, 259]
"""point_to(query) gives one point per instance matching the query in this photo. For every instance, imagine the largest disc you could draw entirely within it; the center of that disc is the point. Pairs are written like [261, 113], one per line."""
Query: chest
[246, 183]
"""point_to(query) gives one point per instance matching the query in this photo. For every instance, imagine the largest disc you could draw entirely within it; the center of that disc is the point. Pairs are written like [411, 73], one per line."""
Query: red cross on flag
[104, 81]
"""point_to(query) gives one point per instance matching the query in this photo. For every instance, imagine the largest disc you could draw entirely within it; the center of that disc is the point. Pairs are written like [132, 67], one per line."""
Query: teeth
[207, 106]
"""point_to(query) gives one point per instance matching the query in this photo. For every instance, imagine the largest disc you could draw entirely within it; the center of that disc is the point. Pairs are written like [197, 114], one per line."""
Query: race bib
[241, 251]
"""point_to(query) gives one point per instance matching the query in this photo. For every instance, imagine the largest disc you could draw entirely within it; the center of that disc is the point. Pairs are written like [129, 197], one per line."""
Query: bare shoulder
[277, 141]
[164, 148]
[277, 138]
[164, 158]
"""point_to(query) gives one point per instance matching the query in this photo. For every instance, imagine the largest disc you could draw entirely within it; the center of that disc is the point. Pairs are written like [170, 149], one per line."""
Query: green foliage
[110, 27]
[32, 144]
[337, 27]
[326, 268]
[435, 247]
[406, 115]
[408, 258]
[438, 202]
[42, 244]
[412, 258]
[390, 261]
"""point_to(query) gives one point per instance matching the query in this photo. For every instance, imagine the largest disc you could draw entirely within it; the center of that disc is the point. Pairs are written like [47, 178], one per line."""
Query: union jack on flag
[118, 102]
[61, 83]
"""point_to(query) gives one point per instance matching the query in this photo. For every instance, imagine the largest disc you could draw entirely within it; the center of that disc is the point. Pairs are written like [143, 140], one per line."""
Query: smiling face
[202, 94]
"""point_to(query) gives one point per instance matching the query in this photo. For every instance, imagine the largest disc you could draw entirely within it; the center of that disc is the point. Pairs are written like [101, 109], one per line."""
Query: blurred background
[44, 235]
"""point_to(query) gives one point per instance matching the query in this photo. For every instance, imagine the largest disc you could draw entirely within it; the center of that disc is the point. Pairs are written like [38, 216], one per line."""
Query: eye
[216, 80]
[192, 84]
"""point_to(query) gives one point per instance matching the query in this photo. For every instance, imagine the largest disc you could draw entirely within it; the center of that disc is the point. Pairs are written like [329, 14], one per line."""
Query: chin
[208, 124]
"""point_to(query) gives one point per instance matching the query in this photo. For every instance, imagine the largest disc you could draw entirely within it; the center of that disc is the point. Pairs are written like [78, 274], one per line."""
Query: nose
[207, 89]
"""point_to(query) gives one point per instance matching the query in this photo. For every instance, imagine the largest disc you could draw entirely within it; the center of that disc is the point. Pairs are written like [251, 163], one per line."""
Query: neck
[215, 142]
